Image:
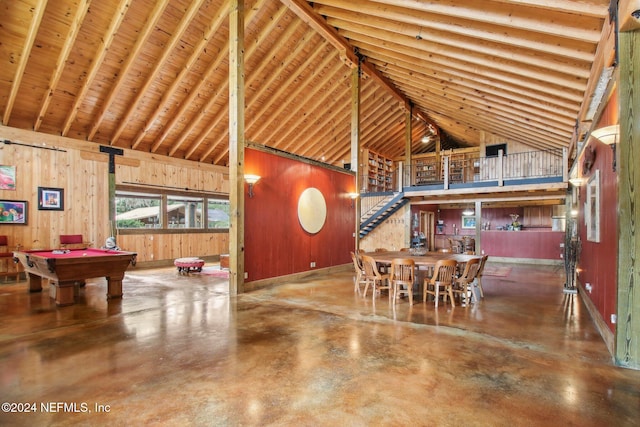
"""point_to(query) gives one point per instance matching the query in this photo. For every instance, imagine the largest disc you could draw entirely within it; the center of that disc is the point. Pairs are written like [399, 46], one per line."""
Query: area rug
[497, 270]
[215, 272]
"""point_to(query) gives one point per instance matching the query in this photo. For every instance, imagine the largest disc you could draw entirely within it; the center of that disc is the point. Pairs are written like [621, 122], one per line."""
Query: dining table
[424, 262]
[428, 259]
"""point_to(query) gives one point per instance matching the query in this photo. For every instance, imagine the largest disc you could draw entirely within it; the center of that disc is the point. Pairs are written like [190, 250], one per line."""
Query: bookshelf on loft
[378, 172]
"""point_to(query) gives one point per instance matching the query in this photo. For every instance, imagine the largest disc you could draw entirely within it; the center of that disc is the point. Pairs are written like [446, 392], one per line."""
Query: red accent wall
[275, 242]
[534, 243]
[598, 261]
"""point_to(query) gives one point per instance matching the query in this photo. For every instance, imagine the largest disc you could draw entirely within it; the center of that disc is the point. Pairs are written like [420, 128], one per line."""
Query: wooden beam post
[627, 333]
[236, 146]
[112, 152]
[355, 146]
[408, 131]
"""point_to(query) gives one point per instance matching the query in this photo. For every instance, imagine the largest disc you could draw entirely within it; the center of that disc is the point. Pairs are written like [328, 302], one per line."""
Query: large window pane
[138, 210]
[218, 214]
[184, 212]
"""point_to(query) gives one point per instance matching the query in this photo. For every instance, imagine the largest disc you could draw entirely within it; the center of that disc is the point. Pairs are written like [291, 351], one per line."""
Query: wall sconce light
[251, 180]
[576, 182]
[353, 196]
[608, 135]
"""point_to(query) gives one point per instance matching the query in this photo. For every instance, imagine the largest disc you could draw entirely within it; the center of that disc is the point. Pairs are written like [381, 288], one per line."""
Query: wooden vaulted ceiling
[152, 75]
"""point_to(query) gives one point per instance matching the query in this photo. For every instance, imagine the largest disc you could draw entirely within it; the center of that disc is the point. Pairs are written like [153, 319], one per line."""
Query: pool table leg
[114, 286]
[35, 283]
[63, 292]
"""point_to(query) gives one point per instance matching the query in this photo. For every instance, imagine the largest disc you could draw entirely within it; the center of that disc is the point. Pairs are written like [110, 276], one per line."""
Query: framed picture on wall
[13, 212]
[592, 209]
[468, 222]
[50, 199]
[7, 177]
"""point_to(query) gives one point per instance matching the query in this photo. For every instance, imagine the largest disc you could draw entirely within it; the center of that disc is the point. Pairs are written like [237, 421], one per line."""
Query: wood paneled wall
[82, 172]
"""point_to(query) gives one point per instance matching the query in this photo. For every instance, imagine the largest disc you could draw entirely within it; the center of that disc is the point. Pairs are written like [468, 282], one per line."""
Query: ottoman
[224, 261]
[187, 265]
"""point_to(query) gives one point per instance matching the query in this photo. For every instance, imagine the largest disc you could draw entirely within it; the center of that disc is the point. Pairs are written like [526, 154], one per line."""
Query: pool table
[66, 268]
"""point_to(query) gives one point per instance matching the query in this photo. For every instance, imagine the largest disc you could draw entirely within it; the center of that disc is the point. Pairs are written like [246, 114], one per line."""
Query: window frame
[165, 194]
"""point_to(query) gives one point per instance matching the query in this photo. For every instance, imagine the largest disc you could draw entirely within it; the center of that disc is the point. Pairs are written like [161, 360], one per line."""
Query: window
[184, 212]
[140, 210]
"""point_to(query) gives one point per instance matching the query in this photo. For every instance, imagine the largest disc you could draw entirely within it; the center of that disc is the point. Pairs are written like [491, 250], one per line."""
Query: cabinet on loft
[377, 172]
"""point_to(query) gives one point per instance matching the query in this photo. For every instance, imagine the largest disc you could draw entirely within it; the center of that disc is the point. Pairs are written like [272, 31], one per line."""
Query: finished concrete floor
[177, 351]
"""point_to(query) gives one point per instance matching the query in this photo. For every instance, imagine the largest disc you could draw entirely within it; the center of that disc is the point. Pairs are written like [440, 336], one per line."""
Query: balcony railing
[452, 170]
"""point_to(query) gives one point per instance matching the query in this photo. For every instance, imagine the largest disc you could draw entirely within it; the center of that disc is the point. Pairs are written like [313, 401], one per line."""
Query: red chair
[73, 241]
[6, 258]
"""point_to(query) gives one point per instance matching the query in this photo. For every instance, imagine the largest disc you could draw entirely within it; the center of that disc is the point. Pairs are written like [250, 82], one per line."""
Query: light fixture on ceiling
[251, 180]
[608, 135]
[468, 212]
[429, 131]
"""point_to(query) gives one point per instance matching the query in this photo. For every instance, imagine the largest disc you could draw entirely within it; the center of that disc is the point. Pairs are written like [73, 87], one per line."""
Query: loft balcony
[463, 173]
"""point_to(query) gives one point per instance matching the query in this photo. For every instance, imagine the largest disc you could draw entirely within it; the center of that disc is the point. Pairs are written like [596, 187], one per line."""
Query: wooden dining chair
[442, 279]
[478, 282]
[464, 285]
[373, 277]
[402, 277]
[357, 265]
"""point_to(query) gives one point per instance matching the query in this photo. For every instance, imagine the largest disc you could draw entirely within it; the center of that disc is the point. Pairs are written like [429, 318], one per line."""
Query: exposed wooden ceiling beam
[69, 41]
[34, 25]
[96, 63]
[139, 45]
[525, 18]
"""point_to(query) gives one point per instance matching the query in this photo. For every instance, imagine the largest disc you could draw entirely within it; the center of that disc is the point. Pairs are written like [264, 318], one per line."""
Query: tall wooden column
[355, 146]
[236, 146]
[627, 335]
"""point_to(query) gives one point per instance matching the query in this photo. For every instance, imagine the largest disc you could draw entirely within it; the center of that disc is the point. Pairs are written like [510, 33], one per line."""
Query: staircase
[379, 212]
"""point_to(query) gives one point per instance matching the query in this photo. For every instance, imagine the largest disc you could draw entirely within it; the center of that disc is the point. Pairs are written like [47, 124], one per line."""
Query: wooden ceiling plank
[436, 43]
[263, 86]
[319, 95]
[444, 81]
[149, 80]
[594, 8]
[436, 27]
[69, 41]
[221, 115]
[138, 46]
[198, 91]
[541, 21]
[284, 84]
[306, 13]
[213, 27]
[34, 25]
[288, 84]
[497, 78]
[548, 118]
[102, 49]
[420, 48]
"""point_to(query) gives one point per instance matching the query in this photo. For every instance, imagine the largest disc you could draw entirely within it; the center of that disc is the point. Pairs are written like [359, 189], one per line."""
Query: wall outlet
[246, 275]
[588, 287]
[614, 318]
[313, 264]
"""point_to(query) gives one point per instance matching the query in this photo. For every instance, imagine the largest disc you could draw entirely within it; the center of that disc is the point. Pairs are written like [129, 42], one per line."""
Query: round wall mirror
[312, 210]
